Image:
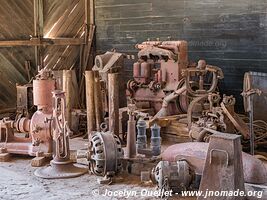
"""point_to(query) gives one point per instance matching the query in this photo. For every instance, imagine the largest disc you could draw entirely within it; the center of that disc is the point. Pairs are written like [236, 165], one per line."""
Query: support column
[113, 101]
[90, 106]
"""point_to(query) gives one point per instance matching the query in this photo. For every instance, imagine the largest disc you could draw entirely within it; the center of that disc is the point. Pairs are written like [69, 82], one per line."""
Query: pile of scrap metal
[189, 166]
[216, 115]
[106, 156]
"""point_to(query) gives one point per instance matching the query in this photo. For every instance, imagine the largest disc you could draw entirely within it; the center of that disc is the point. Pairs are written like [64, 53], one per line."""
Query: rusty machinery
[25, 105]
[254, 97]
[105, 155]
[109, 62]
[173, 176]
[61, 166]
[39, 139]
[183, 165]
[162, 77]
[215, 114]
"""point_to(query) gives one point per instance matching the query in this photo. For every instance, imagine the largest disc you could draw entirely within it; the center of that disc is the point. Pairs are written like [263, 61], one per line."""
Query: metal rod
[131, 138]
[251, 129]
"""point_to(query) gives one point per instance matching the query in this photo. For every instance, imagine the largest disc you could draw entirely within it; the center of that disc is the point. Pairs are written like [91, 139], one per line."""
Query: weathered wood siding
[61, 19]
[231, 34]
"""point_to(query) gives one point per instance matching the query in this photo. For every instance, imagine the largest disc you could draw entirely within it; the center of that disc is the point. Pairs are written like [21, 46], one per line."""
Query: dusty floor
[18, 182]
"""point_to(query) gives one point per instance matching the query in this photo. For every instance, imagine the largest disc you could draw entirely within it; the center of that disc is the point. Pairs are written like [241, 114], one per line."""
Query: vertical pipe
[67, 88]
[98, 101]
[251, 128]
[131, 137]
[90, 106]
[113, 97]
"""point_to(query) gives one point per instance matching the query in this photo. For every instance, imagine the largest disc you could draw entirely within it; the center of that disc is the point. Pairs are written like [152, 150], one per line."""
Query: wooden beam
[38, 30]
[42, 42]
[92, 12]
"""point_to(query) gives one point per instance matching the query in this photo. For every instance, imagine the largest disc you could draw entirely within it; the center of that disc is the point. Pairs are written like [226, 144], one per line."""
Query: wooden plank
[39, 161]
[42, 42]
[4, 157]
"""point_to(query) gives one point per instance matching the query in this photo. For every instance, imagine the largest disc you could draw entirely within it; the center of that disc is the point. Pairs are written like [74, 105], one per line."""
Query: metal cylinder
[22, 125]
[113, 97]
[42, 93]
[136, 70]
[163, 75]
[98, 101]
[89, 82]
[131, 138]
[155, 140]
[141, 142]
[145, 70]
[175, 176]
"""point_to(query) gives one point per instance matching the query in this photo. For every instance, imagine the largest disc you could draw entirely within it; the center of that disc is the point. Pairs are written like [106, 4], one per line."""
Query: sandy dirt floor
[17, 181]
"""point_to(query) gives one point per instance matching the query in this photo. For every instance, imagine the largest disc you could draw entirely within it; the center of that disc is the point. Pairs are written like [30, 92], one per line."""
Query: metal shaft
[131, 138]
[113, 97]
[251, 128]
[91, 121]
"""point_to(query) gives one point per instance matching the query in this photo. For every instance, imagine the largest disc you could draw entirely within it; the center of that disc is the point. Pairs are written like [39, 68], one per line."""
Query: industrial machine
[61, 166]
[163, 77]
[157, 73]
[188, 166]
[39, 139]
[106, 155]
[215, 114]
[25, 105]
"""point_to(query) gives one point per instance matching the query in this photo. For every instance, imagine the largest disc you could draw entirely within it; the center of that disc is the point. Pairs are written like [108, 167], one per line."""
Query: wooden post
[98, 101]
[113, 97]
[91, 121]
[38, 29]
[67, 88]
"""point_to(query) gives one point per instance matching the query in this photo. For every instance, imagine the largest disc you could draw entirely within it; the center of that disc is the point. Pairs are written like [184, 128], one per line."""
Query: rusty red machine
[163, 76]
[38, 139]
[158, 72]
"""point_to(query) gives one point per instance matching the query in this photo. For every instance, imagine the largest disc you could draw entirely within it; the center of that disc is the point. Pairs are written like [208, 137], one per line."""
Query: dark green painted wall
[231, 34]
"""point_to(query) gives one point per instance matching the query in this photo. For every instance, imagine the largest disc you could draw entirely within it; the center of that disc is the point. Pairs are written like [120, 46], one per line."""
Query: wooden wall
[61, 19]
[231, 34]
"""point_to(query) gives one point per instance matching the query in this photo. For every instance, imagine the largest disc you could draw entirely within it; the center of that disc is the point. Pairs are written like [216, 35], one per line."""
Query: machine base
[60, 170]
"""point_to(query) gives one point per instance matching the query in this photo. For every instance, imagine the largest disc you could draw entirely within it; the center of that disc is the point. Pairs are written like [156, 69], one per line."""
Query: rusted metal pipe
[91, 121]
[163, 111]
[131, 133]
[113, 95]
